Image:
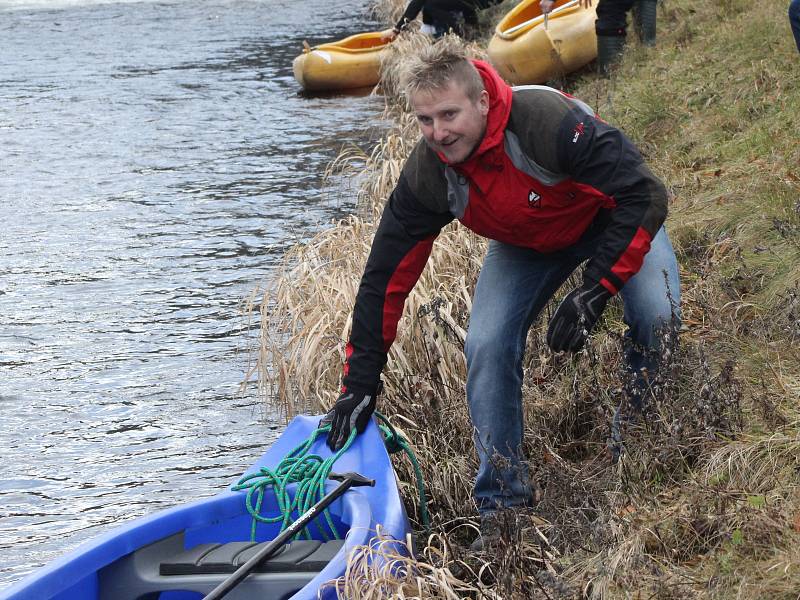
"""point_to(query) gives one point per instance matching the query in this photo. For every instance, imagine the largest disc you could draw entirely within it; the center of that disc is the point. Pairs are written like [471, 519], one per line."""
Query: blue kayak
[184, 552]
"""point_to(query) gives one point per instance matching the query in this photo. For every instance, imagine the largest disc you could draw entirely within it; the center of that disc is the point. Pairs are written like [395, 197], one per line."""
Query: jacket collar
[499, 108]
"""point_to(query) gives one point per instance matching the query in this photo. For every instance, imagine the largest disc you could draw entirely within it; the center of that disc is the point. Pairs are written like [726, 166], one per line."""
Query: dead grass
[706, 500]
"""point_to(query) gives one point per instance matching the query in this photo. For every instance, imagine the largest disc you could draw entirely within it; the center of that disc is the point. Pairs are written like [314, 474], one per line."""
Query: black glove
[576, 316]
[352, 410]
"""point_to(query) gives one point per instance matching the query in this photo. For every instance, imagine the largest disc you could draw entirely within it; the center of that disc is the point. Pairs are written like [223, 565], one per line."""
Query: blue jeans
[794, 19]
[514, 285]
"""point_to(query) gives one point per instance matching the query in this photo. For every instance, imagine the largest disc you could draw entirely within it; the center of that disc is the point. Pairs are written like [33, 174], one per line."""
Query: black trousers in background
[612, 17]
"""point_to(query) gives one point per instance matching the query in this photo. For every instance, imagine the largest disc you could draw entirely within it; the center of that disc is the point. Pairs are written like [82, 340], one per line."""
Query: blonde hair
[434, 66]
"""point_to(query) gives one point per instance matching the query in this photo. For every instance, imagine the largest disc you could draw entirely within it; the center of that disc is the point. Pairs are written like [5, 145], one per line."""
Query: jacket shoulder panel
[522, 161]
[537, 116]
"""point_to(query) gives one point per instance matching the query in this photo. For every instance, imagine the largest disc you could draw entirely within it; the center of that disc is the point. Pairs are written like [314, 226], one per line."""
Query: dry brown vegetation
[705, 502]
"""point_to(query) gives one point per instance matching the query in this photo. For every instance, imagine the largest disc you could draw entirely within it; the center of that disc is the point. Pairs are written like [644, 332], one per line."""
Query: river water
[156, 160]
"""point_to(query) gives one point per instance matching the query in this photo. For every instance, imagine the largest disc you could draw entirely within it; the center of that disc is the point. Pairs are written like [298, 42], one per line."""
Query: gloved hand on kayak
[576, 316]
[351, 411]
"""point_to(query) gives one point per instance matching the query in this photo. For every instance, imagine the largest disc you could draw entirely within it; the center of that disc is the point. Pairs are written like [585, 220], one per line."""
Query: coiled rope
[397, 443]
[310, 472]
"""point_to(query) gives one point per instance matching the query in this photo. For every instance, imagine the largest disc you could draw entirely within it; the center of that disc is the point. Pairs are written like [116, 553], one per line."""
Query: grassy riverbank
[706, 501]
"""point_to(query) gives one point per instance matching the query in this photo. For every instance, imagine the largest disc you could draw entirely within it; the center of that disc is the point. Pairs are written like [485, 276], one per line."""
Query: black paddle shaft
[348, 480]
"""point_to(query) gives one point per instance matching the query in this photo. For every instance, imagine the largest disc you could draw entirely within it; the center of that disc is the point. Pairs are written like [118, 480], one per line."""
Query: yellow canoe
[526, 49]
[353, 62]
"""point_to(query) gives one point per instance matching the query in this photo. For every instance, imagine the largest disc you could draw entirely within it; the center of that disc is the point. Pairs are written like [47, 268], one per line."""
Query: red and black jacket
[546, 172]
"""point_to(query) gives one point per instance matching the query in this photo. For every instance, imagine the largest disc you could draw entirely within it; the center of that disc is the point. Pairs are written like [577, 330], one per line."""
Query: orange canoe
[353, 62]
[526, 48]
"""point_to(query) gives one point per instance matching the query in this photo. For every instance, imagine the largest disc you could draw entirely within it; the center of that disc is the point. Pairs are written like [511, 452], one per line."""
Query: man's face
[450, 122]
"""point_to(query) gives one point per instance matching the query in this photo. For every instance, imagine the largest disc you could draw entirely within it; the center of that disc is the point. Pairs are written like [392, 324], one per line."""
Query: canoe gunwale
[508, 31]
[332, 48]
[341, 45]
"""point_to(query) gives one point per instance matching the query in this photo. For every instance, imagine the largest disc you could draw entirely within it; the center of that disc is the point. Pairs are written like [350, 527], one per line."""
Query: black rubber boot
[609, 51]
[644, 18]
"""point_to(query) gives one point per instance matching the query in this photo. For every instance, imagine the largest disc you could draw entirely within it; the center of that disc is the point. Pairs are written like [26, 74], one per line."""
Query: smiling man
[452, 119]
[553, 187]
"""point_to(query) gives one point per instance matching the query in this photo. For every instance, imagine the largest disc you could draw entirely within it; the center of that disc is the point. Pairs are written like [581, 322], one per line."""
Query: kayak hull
[128, 562]
[524, 52]
[353, 62]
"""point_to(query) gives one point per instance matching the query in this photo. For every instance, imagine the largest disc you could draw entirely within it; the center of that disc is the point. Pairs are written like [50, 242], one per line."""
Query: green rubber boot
[644, 18]
[609, 52]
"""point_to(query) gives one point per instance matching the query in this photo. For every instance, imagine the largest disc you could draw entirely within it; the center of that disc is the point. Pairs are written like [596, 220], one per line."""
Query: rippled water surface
[155, 162]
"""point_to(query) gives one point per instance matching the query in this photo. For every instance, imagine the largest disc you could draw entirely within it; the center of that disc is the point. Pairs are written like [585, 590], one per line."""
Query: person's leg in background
[644, 20]
[611, 28]
[794, 20]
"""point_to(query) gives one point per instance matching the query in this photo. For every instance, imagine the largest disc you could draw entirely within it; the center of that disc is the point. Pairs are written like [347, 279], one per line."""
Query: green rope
[309, 472]
[397, 443]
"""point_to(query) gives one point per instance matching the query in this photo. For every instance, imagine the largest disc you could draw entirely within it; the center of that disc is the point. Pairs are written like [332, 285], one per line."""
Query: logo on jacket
[533, 199]
[578, 131]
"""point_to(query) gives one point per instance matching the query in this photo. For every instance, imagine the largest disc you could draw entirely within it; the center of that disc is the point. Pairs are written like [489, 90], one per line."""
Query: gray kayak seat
[166, 566]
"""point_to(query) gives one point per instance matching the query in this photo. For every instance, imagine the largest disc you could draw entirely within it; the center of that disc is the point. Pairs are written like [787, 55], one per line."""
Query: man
[552, 185]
